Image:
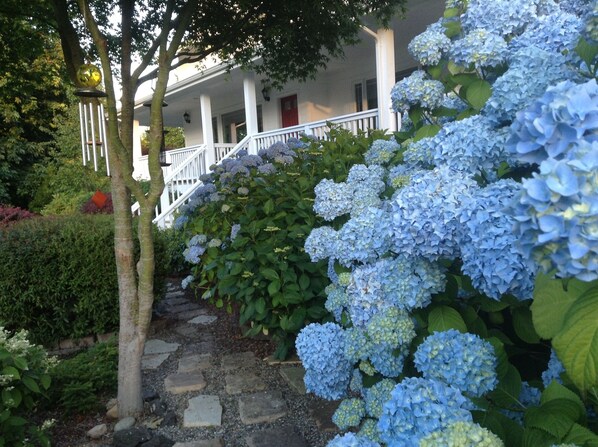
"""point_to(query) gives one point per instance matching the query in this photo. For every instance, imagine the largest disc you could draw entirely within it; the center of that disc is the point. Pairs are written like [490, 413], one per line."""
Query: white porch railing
[182, 181]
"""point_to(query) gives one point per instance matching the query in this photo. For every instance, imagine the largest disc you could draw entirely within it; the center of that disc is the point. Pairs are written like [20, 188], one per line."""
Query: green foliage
[77, 381]
[173, 242]
[174, 138]
[265, 269]
[24, 380]
[58, 276]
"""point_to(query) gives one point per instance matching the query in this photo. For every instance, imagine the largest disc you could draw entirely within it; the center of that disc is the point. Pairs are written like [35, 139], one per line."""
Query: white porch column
[250, 108]
[205, 103]
[385, 74]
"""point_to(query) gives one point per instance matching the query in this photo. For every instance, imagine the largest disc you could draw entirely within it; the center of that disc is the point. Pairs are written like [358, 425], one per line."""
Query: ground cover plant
[465, 291]
[247, 225]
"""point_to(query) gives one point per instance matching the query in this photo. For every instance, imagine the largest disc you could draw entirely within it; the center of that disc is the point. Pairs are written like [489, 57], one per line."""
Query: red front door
[289, 111]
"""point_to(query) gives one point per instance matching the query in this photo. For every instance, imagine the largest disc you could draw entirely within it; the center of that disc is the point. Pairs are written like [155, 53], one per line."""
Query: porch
[187, 164]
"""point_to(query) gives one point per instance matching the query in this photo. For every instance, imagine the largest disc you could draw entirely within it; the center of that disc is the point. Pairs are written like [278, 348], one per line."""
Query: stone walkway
[198, 395]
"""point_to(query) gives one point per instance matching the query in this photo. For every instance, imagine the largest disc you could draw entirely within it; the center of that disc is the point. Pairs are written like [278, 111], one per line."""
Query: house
[223, 111]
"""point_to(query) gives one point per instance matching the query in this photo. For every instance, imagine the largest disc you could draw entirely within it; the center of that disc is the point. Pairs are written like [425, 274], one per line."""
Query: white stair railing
[183, 180]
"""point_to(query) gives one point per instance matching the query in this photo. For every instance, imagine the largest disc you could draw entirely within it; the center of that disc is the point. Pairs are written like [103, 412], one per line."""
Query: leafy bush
[174, 243]
[66, 203]
[466, 295]
[24, 381]
[91, 207]
[58, 276]
[266, 201]
[77, 381]
[9, 215]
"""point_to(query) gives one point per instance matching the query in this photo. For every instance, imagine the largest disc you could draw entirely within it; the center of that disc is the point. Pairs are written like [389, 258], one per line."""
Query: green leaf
[11, 371]
[16, 421]
[523, 325]
[507, 392]
[426, 131]
[443, 318]
[478, 93]
[20, 363]
[273, 287]
[555, 417]
[587, 52]
[453, 29]
[557, 391]
[304, 282]
[297, 319]
[551, 303]
[537, 438]
[577, 343]
[260, 305]
[270, 274]
[508, 430]
[580, 435]
[269, 207]
[503, 366]
[451, 12]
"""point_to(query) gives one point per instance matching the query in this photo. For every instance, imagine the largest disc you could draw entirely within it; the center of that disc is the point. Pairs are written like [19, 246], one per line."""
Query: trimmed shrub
[58, 276]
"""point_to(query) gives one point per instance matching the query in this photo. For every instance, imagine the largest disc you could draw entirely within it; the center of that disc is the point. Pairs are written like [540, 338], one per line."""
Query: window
[359, 97]
[215, 128]
[371, 93]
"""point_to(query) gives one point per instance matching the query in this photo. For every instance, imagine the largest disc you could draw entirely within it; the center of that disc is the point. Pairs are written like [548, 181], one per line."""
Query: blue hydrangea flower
[332, 199]
[418, 407]
[364, 237]
[377, 395]
[480, 48]
[349, 413]
[529, 396]
[530, 72]
[416, 90]
[351, 440]
[369, 430]
[429, 47]
[502, 17]
[180, 222]
[193, 254]
[565, 115]
[252, 161]
[399, 176]
[557, 32]
[553, 371]
[320, 348]
[266, 168]
[556, 214]
[490, 251]
[278, 149]
[462, 434]
[470, 145]
[186, 281]
[386, 359]
[381, 152]
[337, 301]
[234, 231]
[426, 213]
[419, 154]
[464, 361]
[321, 243]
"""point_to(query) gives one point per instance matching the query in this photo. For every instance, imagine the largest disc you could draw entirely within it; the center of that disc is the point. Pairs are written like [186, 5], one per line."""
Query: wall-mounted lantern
[187, 117]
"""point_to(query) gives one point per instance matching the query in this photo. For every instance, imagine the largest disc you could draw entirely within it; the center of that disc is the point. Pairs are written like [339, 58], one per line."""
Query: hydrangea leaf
[426, 131]
[524, 328]
[587, 52]
[478, 92]
[535, 437]
[580, 435]
[555, 417]
[557, 391]
[507, 392]
[577, 342]
[551, 303]
[443, 318]
[506, 429]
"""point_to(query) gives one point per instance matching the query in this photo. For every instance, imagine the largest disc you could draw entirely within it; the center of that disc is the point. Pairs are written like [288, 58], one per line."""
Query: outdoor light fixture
[91, 116]
[266, 91]
[187, 117]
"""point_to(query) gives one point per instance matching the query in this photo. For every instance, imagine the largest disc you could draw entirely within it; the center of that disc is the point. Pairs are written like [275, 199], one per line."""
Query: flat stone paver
[203, 319]
[189, 314]
[173, 301]
[293, 375]
[245, 382]
[276, 437]
[156, 346]
[202, 347]
[201, 443]
[194, 362]
[266, 406]
[203, 411]
[238, 360]
[153, 361]
[183, 307]
[175, 294]
[184, 382]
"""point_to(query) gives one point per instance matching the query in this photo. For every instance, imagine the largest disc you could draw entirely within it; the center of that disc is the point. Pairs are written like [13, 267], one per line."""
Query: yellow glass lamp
[89, 77]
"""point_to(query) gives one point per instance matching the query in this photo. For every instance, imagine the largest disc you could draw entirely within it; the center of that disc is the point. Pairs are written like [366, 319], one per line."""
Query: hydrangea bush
[465, 289]
[246, 226]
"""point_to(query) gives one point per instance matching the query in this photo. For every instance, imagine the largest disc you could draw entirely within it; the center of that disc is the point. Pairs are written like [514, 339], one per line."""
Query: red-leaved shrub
[91, 206]
[10, 214]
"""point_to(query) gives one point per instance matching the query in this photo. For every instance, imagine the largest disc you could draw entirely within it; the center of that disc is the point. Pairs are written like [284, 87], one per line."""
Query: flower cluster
[418, 407]
[462, 434]
[490, 251]
[381, 152]
[320, 348]
[337, 301]
[349, 413]
[377, 395]
[480, 48]
[502, 17]
[557, 33]
[321, 243]
[351, 440]
[464, 361]
[553, 371]
[195, 248]
[531, 71]
[416, 90]
[426, 213]
[429, 47]
[556, 214]
[470, 145]
[332, 199]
